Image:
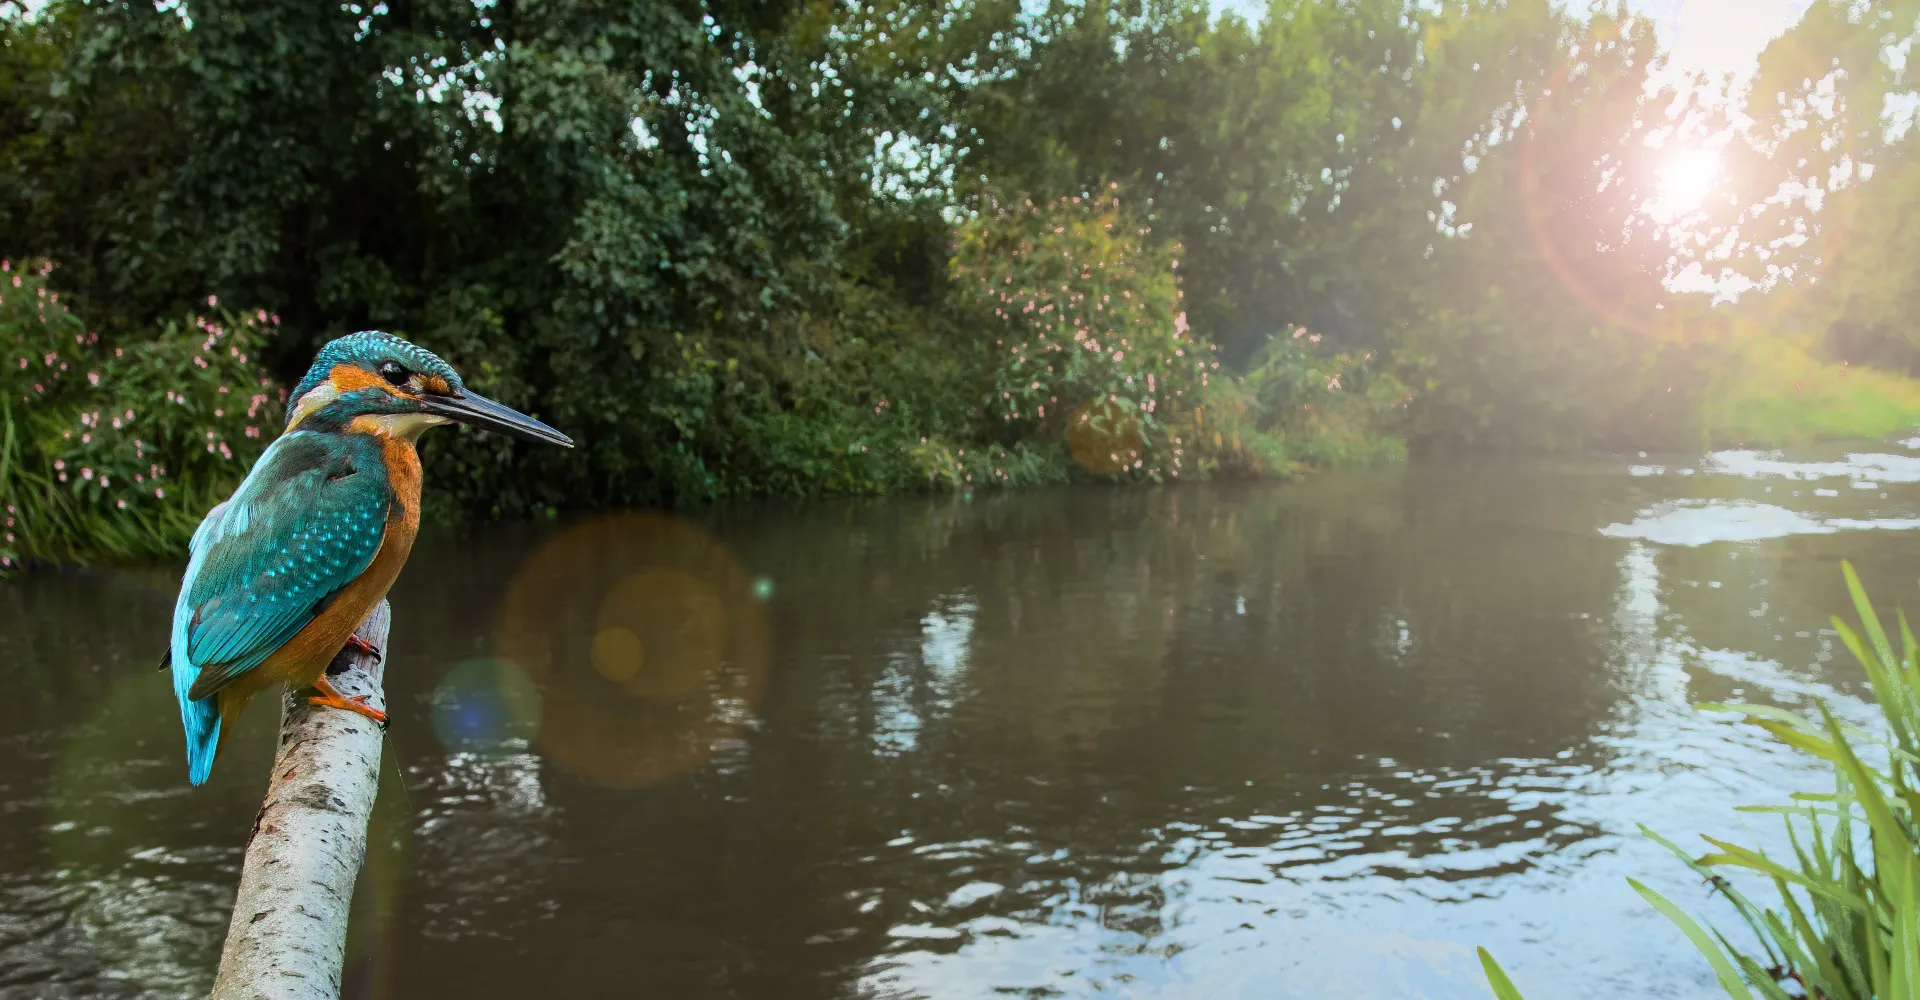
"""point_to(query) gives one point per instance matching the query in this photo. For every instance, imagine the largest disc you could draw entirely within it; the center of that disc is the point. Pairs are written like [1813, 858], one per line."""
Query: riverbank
[112, 451]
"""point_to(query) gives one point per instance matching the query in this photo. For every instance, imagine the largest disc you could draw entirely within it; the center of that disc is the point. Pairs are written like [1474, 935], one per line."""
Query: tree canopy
[735, 247]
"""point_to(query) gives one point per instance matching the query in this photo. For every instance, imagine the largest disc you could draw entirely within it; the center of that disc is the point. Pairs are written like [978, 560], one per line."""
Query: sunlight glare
[1685, 182]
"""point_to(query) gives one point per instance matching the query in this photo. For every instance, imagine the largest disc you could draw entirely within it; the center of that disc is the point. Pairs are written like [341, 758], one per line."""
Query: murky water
[1266, 741]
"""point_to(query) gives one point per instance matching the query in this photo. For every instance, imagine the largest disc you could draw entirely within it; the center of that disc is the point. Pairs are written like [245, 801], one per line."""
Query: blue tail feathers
[200, 719]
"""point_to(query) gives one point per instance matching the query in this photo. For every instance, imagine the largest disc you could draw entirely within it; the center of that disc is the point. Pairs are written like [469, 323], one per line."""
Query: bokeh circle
[645, 642]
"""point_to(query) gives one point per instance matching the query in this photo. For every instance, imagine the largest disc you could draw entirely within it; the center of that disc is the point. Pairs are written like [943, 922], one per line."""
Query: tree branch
[288, 936]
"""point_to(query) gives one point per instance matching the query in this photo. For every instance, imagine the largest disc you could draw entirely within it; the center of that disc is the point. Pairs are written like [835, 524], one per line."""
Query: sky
[1719, 36]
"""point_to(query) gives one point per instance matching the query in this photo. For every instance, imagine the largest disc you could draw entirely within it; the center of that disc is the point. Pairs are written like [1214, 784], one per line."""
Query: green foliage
[1770, 391]
[1861, 301]
[1273, 153]
[1844, 923]
[118, 453]
[1503, 987]
[1300, 407]
[1087, 322]
[729, 249]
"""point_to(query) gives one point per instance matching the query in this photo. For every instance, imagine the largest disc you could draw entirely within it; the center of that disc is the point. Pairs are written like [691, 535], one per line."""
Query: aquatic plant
[1844, 923]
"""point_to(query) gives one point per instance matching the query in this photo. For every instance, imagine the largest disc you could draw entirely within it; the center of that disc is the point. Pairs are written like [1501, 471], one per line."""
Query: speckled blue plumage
[306, 521]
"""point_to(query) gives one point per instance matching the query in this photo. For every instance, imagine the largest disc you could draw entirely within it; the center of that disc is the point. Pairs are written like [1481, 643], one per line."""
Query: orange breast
[304, 656]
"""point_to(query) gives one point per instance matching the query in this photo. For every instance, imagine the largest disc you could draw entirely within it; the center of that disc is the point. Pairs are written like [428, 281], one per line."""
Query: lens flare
[645, 641]
[485, 706]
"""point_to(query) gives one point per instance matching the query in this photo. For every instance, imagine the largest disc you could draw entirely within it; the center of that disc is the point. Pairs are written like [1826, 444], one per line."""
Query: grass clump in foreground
[1844, 923]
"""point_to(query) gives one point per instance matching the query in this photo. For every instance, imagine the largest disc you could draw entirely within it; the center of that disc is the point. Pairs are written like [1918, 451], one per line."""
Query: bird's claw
[356, 704]
[363, 647]
[332, 698]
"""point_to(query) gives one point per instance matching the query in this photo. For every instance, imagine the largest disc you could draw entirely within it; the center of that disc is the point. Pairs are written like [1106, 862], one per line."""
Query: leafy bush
[1090, 335]
[119, 453]
[1298, 408]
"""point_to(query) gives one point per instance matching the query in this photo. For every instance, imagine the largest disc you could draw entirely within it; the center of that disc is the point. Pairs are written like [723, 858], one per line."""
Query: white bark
[288, 936]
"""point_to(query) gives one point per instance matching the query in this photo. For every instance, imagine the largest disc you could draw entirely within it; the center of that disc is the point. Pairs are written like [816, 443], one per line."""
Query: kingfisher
[282, 572]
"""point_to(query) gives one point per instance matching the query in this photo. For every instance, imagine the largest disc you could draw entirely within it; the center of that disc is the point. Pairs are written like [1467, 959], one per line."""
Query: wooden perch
[288, 936]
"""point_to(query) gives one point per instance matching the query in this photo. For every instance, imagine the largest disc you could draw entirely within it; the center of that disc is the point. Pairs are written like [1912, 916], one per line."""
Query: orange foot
[332, 698]
[363, 647]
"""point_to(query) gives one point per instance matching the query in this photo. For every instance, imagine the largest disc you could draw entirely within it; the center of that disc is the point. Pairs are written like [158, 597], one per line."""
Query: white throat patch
[407, 426]
[316, 397]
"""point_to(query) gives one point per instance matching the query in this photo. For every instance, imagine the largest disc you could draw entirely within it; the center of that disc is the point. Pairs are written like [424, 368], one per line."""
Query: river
[1212, 741]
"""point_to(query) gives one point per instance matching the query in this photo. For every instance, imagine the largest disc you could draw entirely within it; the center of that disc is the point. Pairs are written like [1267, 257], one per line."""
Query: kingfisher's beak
[472, 408]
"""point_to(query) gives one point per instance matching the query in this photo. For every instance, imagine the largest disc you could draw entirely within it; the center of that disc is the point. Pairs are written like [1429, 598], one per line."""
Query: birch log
[288, 936]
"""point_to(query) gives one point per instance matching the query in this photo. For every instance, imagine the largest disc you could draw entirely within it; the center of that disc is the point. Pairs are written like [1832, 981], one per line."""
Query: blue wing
[308, 520]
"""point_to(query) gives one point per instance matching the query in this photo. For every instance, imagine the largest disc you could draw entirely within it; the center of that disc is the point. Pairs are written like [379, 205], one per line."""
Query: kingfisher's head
[376, 382]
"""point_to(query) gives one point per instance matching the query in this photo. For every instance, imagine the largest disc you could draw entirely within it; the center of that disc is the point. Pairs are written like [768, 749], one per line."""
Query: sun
[1685, 182]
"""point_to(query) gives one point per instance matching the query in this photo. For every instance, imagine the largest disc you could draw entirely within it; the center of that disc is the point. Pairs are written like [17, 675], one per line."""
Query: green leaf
[1503, 987]
[1722, 968]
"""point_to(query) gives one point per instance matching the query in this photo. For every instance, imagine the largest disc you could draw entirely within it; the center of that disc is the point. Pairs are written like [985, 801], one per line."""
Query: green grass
[1774, 393]
[1843, 920]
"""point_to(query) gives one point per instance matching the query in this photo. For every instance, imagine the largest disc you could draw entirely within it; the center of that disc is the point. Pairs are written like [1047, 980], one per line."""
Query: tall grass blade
[1503, 987]
[1723, 969]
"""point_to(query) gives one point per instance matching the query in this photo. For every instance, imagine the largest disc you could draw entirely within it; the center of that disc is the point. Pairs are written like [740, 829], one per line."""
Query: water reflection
[1234, 741]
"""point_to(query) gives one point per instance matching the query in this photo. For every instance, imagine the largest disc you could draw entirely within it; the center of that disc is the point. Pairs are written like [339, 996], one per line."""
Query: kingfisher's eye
[394, 373]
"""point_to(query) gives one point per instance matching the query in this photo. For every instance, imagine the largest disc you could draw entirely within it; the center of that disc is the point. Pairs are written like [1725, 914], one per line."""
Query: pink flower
[86, 473]
[213, 300]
